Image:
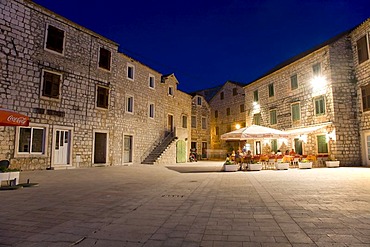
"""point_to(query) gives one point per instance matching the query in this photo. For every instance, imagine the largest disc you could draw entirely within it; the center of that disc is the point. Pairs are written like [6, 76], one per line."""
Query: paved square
[154, 206]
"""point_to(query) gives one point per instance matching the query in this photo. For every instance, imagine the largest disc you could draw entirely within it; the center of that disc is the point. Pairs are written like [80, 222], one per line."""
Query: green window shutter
[322, 146]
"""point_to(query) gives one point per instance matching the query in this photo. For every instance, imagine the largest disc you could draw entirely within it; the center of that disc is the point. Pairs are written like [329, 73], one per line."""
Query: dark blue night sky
[206, 43]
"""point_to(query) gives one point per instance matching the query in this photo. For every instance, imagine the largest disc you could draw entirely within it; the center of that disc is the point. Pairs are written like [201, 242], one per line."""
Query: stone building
[200, 122]
[360, 38]
[313, 96]
[88, 103]
[228, 113]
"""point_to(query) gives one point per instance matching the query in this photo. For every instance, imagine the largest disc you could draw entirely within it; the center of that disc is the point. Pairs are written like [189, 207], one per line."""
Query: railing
[158, 142]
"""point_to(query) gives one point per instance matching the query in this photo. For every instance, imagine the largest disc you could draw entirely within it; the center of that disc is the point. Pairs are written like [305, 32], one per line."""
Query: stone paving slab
[156, 206]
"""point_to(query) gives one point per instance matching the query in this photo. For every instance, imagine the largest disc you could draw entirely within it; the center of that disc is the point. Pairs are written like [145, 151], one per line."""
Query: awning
[254, 132]
[12, 118]
[307, 130]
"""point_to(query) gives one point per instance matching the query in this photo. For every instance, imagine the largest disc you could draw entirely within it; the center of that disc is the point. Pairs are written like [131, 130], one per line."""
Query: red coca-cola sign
[11, 118]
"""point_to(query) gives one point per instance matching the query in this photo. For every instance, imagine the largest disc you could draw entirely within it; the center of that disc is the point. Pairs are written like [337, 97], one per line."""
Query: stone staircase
[159, 149]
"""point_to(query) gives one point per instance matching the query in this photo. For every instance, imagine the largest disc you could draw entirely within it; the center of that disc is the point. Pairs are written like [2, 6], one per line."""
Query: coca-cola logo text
[18, 120]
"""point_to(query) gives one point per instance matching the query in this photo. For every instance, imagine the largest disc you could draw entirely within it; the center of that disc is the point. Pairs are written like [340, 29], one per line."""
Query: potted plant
[332, 162]
[7, 174]
[280, 165]
[230, 166]
[254, 166]
[305, 164]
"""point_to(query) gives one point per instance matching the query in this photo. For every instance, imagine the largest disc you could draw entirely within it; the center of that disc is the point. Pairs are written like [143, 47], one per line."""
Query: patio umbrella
[12, 118]
[254, 132]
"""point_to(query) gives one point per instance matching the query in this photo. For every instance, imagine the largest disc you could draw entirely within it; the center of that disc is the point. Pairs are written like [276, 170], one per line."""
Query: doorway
[367, 149]
[100, 148]
[62, 147]
[204, 150]
[298, 146]
[170, 123]
[127, 149]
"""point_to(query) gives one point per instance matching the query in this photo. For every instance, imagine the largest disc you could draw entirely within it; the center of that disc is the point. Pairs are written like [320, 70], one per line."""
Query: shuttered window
[362, 49]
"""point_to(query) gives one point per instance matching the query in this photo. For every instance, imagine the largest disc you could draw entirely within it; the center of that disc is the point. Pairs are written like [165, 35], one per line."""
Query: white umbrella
[254, 132]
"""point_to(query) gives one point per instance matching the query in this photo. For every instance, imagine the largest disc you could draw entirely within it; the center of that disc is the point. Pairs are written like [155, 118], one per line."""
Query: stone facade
[228, 113]
[362, 73]
[88, 103]
[320, 83]
[200, 126]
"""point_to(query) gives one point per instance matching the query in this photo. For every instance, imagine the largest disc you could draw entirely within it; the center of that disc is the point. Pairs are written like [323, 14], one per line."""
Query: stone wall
[200, 134]
[24, 59]
[362, 78]
[224, 122]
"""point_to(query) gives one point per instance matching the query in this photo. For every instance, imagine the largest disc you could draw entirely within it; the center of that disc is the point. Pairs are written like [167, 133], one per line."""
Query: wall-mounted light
[237, 126]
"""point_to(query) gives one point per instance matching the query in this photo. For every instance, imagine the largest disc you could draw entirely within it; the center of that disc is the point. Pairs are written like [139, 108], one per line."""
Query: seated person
[292, 153]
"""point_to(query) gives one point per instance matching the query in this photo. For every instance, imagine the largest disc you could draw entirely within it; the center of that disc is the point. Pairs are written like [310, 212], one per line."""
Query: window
[130, 104]
[320, 105]
[228, 111]
[193, 121]
[199, 100]
[51, 85]
[184, 122]
[54, 39]
[365, 94]
[130, 72]
[255, 96]
[274, 145]
[151, 110]
[216, 114]
[31, 140]
[104, 58]
[151, 81]
[222, 95]
[228, 128]
[204, 123]
[296, 112]
[170, 91]
[235, 91]
[242, 108]
[271, 90]
[322, 146]
[362, 49]
[273, 119]
[102, 97]
[257, 119]
[293, 82]
[316, 69]
[217, 131]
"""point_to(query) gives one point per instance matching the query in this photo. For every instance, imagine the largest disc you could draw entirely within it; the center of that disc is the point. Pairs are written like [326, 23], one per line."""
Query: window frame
[109, 59]
[199, 100]
[107, 98]
[216, 113]
[365, 98]
[316, 100]
[293, 81]
[204, 123]
[170, 91]
[320, 149]
[242, 108]
[255, 95]
[359, 51]
[228, 111]
[43, 85]
[129, 101]
[130, 67]
[255, 122]
[235, 91]
[193, 122]
[44, 144]
[46, 40]
[273, 116]
[150, 81]
[222, 95]
[271, 90]
[316, 69]
[292, 111]
[184, 121]
[151, 110]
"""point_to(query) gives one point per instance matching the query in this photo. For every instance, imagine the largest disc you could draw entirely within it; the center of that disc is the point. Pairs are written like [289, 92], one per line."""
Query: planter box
[231, 168]
[334, 163]
[8, 176]
[305, 165]
[254, 167]
[282, 166]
